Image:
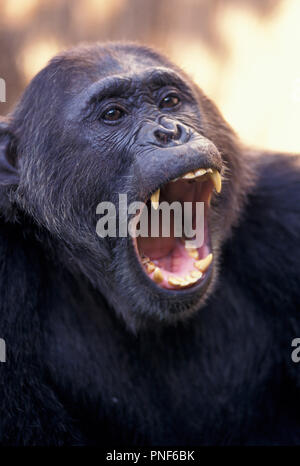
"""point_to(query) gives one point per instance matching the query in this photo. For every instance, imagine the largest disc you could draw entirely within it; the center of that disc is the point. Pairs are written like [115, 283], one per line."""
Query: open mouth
[177, 262]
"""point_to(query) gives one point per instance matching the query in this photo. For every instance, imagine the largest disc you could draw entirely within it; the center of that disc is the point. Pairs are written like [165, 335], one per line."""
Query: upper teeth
[195, 174]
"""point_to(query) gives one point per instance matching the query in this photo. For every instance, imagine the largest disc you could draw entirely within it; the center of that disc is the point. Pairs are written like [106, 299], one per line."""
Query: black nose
[169, 132]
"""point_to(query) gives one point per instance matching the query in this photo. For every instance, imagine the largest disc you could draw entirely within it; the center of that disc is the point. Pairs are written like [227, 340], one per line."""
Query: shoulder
[273, 207]
[264, 248]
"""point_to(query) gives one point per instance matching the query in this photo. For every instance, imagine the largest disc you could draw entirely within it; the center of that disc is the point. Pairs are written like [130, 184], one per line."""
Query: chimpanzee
[135, 340]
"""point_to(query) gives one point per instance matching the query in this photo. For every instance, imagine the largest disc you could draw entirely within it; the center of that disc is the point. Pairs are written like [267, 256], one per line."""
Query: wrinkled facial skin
[71, 154]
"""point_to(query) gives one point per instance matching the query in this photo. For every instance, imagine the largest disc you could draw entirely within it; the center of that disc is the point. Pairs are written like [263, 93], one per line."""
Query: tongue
[155, 248]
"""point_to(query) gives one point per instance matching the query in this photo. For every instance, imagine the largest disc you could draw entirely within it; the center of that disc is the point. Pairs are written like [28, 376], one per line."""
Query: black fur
[95, 355]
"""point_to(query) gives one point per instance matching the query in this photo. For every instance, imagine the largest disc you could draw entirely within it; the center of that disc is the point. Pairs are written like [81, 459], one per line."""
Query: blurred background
[243, 53]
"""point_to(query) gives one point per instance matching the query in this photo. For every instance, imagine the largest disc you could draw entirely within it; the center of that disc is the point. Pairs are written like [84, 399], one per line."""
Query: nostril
[165, 136]
[174, 133]
[162, 136]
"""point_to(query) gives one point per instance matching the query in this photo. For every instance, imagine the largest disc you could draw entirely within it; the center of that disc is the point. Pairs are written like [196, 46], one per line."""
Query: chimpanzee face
[101, 122]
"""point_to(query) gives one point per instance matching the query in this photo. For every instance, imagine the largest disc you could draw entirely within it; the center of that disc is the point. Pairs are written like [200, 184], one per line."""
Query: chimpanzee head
[105, 120]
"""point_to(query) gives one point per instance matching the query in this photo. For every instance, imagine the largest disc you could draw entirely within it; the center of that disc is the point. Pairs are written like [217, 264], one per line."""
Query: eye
[113, 114]
[170, 101]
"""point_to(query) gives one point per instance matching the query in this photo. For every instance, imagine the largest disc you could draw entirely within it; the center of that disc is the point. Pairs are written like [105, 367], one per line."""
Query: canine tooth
[158, 276]
[155, 199]
[216, 178]
[200, 172]
[203, 264]
[196, 274]
[188, 176]
[150, 267]
[193, 253]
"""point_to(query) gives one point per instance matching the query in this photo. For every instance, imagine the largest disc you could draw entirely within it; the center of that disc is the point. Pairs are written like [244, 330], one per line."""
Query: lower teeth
[181, 282]
[158, 276]
[150, 267]
[203, 264]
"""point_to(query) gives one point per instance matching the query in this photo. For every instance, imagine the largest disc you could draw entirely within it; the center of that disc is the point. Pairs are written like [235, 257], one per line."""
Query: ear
[9, 174]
